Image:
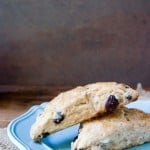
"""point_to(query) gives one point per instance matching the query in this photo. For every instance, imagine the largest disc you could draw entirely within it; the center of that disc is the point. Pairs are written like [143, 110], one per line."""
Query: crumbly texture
[80, 104]
[119, 130]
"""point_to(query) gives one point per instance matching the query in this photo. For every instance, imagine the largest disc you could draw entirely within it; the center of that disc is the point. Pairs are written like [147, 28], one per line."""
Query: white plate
[18, 131]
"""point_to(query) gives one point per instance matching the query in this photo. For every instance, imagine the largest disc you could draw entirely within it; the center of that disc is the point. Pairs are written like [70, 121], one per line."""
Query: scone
[118, 130]
[80, 104]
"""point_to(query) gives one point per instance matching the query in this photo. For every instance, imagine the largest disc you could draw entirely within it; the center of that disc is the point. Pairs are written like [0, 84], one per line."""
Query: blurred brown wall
[63, 42]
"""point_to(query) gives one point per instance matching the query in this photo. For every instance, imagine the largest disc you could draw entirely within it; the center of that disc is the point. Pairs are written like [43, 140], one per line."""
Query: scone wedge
[118, 130]
[80, 104]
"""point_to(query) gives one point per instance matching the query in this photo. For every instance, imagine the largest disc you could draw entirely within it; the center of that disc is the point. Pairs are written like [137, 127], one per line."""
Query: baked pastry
[80, 104]
[118, 130]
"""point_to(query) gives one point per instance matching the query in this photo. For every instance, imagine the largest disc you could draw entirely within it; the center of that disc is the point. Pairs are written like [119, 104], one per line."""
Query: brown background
[70, 42]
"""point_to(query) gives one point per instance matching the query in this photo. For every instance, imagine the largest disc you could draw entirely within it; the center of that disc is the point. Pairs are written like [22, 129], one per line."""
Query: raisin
[111, 103]
[60, 117]
[129, 97]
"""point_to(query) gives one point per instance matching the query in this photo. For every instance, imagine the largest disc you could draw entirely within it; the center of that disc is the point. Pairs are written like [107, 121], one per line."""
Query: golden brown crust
[80, 104]
[119, 130]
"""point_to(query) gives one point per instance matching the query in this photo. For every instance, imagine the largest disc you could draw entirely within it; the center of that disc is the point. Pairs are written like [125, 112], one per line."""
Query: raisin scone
[118, 130]
[80, 104]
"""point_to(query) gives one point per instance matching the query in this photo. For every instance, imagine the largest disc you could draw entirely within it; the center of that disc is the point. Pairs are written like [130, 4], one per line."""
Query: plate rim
[10, 132]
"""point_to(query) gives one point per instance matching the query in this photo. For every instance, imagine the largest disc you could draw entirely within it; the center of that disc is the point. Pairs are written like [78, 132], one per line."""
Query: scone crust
[121, 129]
[80, 104]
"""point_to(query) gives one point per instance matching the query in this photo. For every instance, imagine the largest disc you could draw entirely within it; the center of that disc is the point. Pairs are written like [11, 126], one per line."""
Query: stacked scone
[105, 123]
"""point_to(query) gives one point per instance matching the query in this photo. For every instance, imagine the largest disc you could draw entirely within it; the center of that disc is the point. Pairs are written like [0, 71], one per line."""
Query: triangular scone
[119, 130]
[80, 104]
